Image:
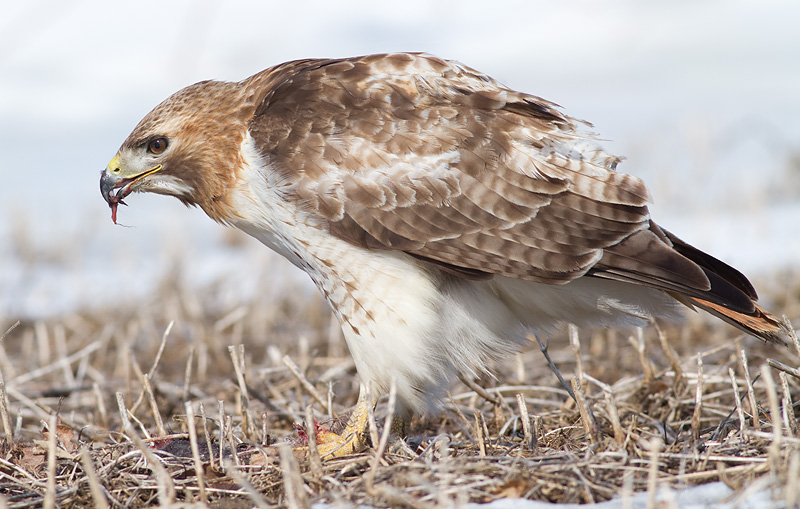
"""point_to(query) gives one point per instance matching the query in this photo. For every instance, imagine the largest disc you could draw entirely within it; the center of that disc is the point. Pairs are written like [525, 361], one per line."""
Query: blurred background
[702, 98]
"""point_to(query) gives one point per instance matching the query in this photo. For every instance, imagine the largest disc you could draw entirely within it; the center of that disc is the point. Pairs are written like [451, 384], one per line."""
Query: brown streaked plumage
[440, 213]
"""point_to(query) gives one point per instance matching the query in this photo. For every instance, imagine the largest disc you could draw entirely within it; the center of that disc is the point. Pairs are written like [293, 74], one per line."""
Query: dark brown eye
[157, 146]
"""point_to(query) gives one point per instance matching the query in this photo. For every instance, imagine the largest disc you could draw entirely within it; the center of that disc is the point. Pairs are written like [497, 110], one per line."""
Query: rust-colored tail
[732, 297]
[655, 257]
[760, 323]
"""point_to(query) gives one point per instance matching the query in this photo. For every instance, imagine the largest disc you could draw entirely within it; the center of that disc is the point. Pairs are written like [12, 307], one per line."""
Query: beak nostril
[114, 165]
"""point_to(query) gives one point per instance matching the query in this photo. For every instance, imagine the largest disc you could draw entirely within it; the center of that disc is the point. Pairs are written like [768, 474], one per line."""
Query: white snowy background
[702, 98]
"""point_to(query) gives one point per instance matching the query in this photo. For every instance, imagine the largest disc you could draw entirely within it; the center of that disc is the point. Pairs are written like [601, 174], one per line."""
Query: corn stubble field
[182, 400]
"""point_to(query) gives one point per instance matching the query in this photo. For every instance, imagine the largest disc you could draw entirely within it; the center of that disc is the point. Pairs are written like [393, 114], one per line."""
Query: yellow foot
[351, 440]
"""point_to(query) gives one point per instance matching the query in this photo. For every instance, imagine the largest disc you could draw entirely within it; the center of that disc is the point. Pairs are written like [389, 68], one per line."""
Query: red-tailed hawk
[442, 215]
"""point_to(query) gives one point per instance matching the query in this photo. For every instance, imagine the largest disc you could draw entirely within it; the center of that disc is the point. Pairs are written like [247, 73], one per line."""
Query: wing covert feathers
[414, 153]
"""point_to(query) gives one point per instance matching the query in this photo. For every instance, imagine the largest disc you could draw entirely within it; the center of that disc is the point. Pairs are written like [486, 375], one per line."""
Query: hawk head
[187, 147]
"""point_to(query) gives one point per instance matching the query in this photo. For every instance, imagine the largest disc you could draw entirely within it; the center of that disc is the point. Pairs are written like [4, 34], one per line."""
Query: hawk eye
[157, 146]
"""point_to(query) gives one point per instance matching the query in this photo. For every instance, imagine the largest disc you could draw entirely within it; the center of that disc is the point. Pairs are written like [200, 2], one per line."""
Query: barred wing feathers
[414, 153]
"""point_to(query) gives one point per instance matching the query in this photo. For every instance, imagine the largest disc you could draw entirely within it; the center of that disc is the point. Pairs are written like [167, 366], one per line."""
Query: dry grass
[181, 400]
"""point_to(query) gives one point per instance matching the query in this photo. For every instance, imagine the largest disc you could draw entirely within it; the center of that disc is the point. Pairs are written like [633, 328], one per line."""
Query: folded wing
[413, 153]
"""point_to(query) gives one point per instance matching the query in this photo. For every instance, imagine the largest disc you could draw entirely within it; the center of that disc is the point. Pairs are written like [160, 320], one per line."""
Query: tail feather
[658, 259]
[761, 323]
[732, 297]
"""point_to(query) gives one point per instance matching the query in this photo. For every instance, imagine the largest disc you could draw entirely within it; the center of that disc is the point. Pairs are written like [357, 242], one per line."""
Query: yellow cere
[114, 166]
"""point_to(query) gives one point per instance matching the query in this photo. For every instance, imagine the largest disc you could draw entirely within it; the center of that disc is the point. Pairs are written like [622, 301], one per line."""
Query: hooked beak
[113, 179]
